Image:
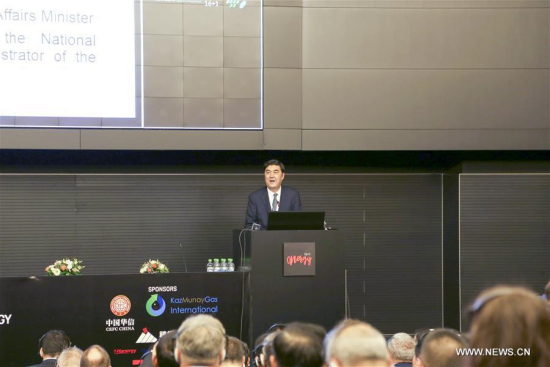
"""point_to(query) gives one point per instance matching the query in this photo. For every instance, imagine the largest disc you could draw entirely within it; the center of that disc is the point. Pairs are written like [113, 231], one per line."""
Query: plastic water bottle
[230, 265]
[223, 266]
[210, 266]
[216, 265]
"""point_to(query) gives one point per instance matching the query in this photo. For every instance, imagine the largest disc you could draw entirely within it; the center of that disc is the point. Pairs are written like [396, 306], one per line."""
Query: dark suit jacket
[46, 363]
[259, 205]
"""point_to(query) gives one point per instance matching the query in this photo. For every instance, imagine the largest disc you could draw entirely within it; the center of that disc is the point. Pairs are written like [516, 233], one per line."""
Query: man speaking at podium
[273, 197]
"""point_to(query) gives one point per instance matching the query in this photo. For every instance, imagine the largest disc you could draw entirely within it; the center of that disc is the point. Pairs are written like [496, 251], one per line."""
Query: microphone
[183, 257]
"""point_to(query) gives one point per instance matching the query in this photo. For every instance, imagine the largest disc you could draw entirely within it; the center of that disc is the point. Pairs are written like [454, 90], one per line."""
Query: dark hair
[165, 350]
[235, 350]
[547, 291]
[246, 352]
[274, 162]
[439, 348]
[300, 345]
[54, 342]
[276, 327]
[258, 346]
[268, 349]
[419, 336]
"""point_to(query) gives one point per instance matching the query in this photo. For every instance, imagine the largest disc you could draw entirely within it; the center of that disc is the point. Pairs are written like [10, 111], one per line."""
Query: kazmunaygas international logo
[194, 305]
[155, 305]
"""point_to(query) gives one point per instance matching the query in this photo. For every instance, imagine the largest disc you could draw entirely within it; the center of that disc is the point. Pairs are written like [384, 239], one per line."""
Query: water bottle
[230, 265]
[216, 265]
[223, 266]
[210, 266]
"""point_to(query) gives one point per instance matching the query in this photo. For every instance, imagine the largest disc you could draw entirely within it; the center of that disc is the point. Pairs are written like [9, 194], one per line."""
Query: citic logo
[156, 305]
[120, 305]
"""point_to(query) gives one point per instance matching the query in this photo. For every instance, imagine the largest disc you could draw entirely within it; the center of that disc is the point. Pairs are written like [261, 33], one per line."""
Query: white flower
[161, 266]
[56, 271]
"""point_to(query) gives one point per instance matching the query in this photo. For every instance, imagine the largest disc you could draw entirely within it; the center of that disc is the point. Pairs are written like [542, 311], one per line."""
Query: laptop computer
[292, 221]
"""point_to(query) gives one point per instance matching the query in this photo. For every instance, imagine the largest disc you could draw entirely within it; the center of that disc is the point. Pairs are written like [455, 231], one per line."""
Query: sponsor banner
[128, 313]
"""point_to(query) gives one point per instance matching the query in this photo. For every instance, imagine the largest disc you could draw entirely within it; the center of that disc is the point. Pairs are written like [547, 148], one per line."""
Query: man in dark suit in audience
[51, 345]
[273, 197]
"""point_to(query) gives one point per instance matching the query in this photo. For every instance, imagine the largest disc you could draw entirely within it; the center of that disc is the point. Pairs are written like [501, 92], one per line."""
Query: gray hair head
[201, 340]
[70, 357]
[401, 347]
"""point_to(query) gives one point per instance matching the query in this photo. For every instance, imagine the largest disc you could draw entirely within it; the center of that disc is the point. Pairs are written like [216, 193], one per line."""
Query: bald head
[356, 344]
[439, 349]
[95, 356]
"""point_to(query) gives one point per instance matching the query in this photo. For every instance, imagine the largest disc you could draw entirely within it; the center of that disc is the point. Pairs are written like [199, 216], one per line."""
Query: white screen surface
[67, 58]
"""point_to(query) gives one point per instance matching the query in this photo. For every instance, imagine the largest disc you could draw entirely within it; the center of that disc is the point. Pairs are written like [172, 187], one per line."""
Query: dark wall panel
[403, 251]
[451, 251]
[504, 232]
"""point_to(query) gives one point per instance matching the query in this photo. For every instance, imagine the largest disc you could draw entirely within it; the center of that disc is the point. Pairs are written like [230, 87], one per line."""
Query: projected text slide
[67, 58]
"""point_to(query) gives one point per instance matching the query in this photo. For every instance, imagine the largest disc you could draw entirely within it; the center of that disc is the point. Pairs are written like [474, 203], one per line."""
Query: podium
[274, 297]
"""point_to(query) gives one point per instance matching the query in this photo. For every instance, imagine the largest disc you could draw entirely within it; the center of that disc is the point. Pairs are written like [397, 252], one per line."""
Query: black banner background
[80, 305]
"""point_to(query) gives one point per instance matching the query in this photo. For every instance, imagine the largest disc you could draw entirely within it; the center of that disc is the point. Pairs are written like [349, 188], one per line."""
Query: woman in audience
[515, 321]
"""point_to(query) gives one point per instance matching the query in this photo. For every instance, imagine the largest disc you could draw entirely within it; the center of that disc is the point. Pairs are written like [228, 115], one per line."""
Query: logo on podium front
[298, 259]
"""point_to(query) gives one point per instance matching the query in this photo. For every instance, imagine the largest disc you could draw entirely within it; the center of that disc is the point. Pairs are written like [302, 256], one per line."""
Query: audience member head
[299, 344]
[419, 334]
[276, 327]
[70, 357]
[268, 350]
[439, 349]
[515, 318]
[401, 348]
[236, 354]
[353, 343]
[200, 341]
[163, 351]
[53, 343]
[258, 351]
[246, 354]
[95, 356]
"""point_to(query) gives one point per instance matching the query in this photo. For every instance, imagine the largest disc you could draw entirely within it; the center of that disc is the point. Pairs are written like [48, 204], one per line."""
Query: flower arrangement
[153, 266]
[65, 267]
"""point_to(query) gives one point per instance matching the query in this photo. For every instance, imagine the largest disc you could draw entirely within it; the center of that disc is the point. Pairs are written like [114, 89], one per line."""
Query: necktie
[274, 203]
